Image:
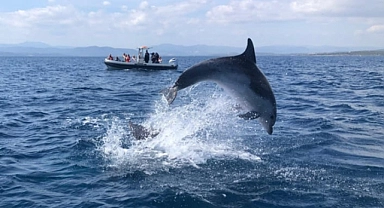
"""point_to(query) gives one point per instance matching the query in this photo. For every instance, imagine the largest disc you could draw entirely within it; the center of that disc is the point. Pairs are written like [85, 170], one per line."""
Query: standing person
[124, 56]
[153, 58]
[157, 57]
[146, 56]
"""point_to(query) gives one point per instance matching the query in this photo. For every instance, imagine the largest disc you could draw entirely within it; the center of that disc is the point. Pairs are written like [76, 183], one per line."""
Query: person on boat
[128, 59]
[153, 58]
[133, 58]
[160, 59]
[157, 58]
[146, 56]
[110, 57]
[117, 58]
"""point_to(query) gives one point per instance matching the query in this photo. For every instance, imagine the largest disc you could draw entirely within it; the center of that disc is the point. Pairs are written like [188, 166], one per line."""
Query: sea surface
[65, 140]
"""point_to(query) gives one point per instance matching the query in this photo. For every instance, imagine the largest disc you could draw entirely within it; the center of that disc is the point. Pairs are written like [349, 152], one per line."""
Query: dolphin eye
[272, 117]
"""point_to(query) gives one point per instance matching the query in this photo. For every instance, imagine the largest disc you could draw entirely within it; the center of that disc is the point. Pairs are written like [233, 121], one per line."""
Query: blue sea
[65, 140]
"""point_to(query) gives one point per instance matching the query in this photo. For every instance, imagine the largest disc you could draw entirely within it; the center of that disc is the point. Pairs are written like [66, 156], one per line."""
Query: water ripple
[65, 141]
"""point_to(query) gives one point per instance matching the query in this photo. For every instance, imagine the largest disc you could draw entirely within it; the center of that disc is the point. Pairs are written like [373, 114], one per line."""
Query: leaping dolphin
[241, 78]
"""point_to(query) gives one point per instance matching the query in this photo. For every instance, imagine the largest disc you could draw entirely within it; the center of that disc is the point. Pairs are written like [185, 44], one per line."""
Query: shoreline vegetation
[353, 53]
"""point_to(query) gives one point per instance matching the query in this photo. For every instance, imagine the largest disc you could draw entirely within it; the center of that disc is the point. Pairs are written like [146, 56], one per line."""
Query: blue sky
[131, 23]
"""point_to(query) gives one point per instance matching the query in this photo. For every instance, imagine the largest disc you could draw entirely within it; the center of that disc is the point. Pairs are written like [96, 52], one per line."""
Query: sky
[132, 23]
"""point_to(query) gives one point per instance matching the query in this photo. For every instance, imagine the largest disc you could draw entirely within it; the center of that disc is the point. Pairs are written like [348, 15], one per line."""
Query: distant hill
[27, 44]
[53, 51]
[42, 49]
[35, 49]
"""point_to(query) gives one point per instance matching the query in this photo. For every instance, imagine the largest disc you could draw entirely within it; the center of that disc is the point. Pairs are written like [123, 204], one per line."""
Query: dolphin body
[241, 78]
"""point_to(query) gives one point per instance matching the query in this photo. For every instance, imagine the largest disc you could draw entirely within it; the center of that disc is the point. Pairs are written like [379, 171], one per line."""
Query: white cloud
[192, 21]
[339, 8]
[137, 18]
[160, 18]
[50, 15]
[379, 29]
[313, 6]
[250, 11]
[143, 5]
[124, 8]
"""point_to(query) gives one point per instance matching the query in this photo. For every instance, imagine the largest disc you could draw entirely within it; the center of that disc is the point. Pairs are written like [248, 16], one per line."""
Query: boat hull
[111, 64]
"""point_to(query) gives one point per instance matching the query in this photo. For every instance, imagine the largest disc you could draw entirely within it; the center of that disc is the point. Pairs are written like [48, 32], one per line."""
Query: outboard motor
[172, 61]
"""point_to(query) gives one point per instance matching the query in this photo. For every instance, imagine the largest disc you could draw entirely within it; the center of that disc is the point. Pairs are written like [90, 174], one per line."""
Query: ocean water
[65, 141]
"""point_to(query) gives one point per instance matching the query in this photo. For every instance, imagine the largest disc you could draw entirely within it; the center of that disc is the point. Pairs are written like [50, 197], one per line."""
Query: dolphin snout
[267, 126]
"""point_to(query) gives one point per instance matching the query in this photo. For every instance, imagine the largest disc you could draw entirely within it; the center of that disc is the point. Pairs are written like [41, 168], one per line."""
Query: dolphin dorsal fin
[249, 52]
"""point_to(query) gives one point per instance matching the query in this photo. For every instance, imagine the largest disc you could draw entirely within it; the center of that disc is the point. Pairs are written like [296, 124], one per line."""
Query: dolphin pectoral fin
[250, 115]
[170, 94]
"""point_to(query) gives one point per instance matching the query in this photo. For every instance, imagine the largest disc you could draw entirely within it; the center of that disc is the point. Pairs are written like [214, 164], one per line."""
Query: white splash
[190, 134]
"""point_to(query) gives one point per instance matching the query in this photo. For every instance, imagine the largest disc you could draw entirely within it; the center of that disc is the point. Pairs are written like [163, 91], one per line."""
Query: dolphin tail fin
[170, 94]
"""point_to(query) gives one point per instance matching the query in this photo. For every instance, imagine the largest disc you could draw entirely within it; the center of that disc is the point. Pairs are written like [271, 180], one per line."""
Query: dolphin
[241, 78]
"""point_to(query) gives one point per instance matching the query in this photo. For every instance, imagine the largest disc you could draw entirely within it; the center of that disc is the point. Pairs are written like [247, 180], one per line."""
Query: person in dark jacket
[146, 56]
[153, 57]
